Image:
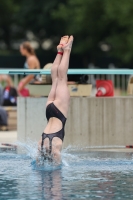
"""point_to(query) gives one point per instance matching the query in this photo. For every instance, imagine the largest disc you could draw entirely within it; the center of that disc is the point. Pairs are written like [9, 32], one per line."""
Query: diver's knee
[61, 72]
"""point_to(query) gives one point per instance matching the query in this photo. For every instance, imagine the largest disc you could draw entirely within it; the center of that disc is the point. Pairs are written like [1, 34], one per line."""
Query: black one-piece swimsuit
[53, 111]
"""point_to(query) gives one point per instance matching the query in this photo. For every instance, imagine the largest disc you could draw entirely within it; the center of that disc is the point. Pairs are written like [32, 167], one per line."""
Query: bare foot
[68, 46]
[63, 41]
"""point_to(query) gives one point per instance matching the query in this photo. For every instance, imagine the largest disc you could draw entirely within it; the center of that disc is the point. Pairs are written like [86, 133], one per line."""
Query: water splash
[29, 148]
[38, 162]
[76, 156]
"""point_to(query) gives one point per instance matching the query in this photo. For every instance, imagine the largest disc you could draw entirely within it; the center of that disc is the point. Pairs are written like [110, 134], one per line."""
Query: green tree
[19, 16]
[119, 16]
[37, 17]
[8, 9]
[93, 22]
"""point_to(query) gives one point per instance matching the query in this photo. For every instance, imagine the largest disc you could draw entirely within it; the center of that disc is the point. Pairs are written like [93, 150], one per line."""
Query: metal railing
[70, 71]
[119, 77]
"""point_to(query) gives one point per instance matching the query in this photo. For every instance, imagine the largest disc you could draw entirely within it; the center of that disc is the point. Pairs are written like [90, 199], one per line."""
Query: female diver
[57, 104]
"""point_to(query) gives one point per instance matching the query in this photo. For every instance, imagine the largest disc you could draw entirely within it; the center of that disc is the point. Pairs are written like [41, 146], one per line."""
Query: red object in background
[130, 146]
[24, 92]
[104, 88]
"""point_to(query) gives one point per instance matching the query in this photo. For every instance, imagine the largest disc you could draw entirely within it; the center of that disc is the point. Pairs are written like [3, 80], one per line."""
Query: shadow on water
[51, 184]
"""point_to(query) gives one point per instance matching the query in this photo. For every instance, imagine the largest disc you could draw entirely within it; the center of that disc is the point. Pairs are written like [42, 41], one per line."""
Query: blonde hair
[28, 47]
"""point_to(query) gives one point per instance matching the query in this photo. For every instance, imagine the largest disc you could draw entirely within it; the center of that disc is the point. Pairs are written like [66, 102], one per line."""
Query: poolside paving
[9, 137]
[124, 150]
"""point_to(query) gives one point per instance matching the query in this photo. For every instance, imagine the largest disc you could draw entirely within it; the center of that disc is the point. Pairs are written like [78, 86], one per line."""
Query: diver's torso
[54, 125]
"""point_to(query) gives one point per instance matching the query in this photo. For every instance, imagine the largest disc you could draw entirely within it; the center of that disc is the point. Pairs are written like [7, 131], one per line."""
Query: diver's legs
[62, 95]
[54, 70]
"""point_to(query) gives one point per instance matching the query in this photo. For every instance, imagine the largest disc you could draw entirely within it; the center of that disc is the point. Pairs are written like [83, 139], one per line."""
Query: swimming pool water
[83, 175]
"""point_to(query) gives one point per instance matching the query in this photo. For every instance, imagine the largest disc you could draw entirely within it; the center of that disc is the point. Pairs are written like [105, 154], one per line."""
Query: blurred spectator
[32, 62]
[7, 79]
[47, 78]
[1, 95]
[9, 94]
[3, 113]
[3, 119]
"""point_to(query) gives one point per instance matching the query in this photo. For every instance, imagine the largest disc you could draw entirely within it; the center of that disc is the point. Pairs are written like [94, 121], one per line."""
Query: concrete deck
[9, 137]
[122, 150]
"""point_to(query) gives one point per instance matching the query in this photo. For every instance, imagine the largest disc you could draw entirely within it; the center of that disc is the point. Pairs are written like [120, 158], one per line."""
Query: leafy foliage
[92, 22]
